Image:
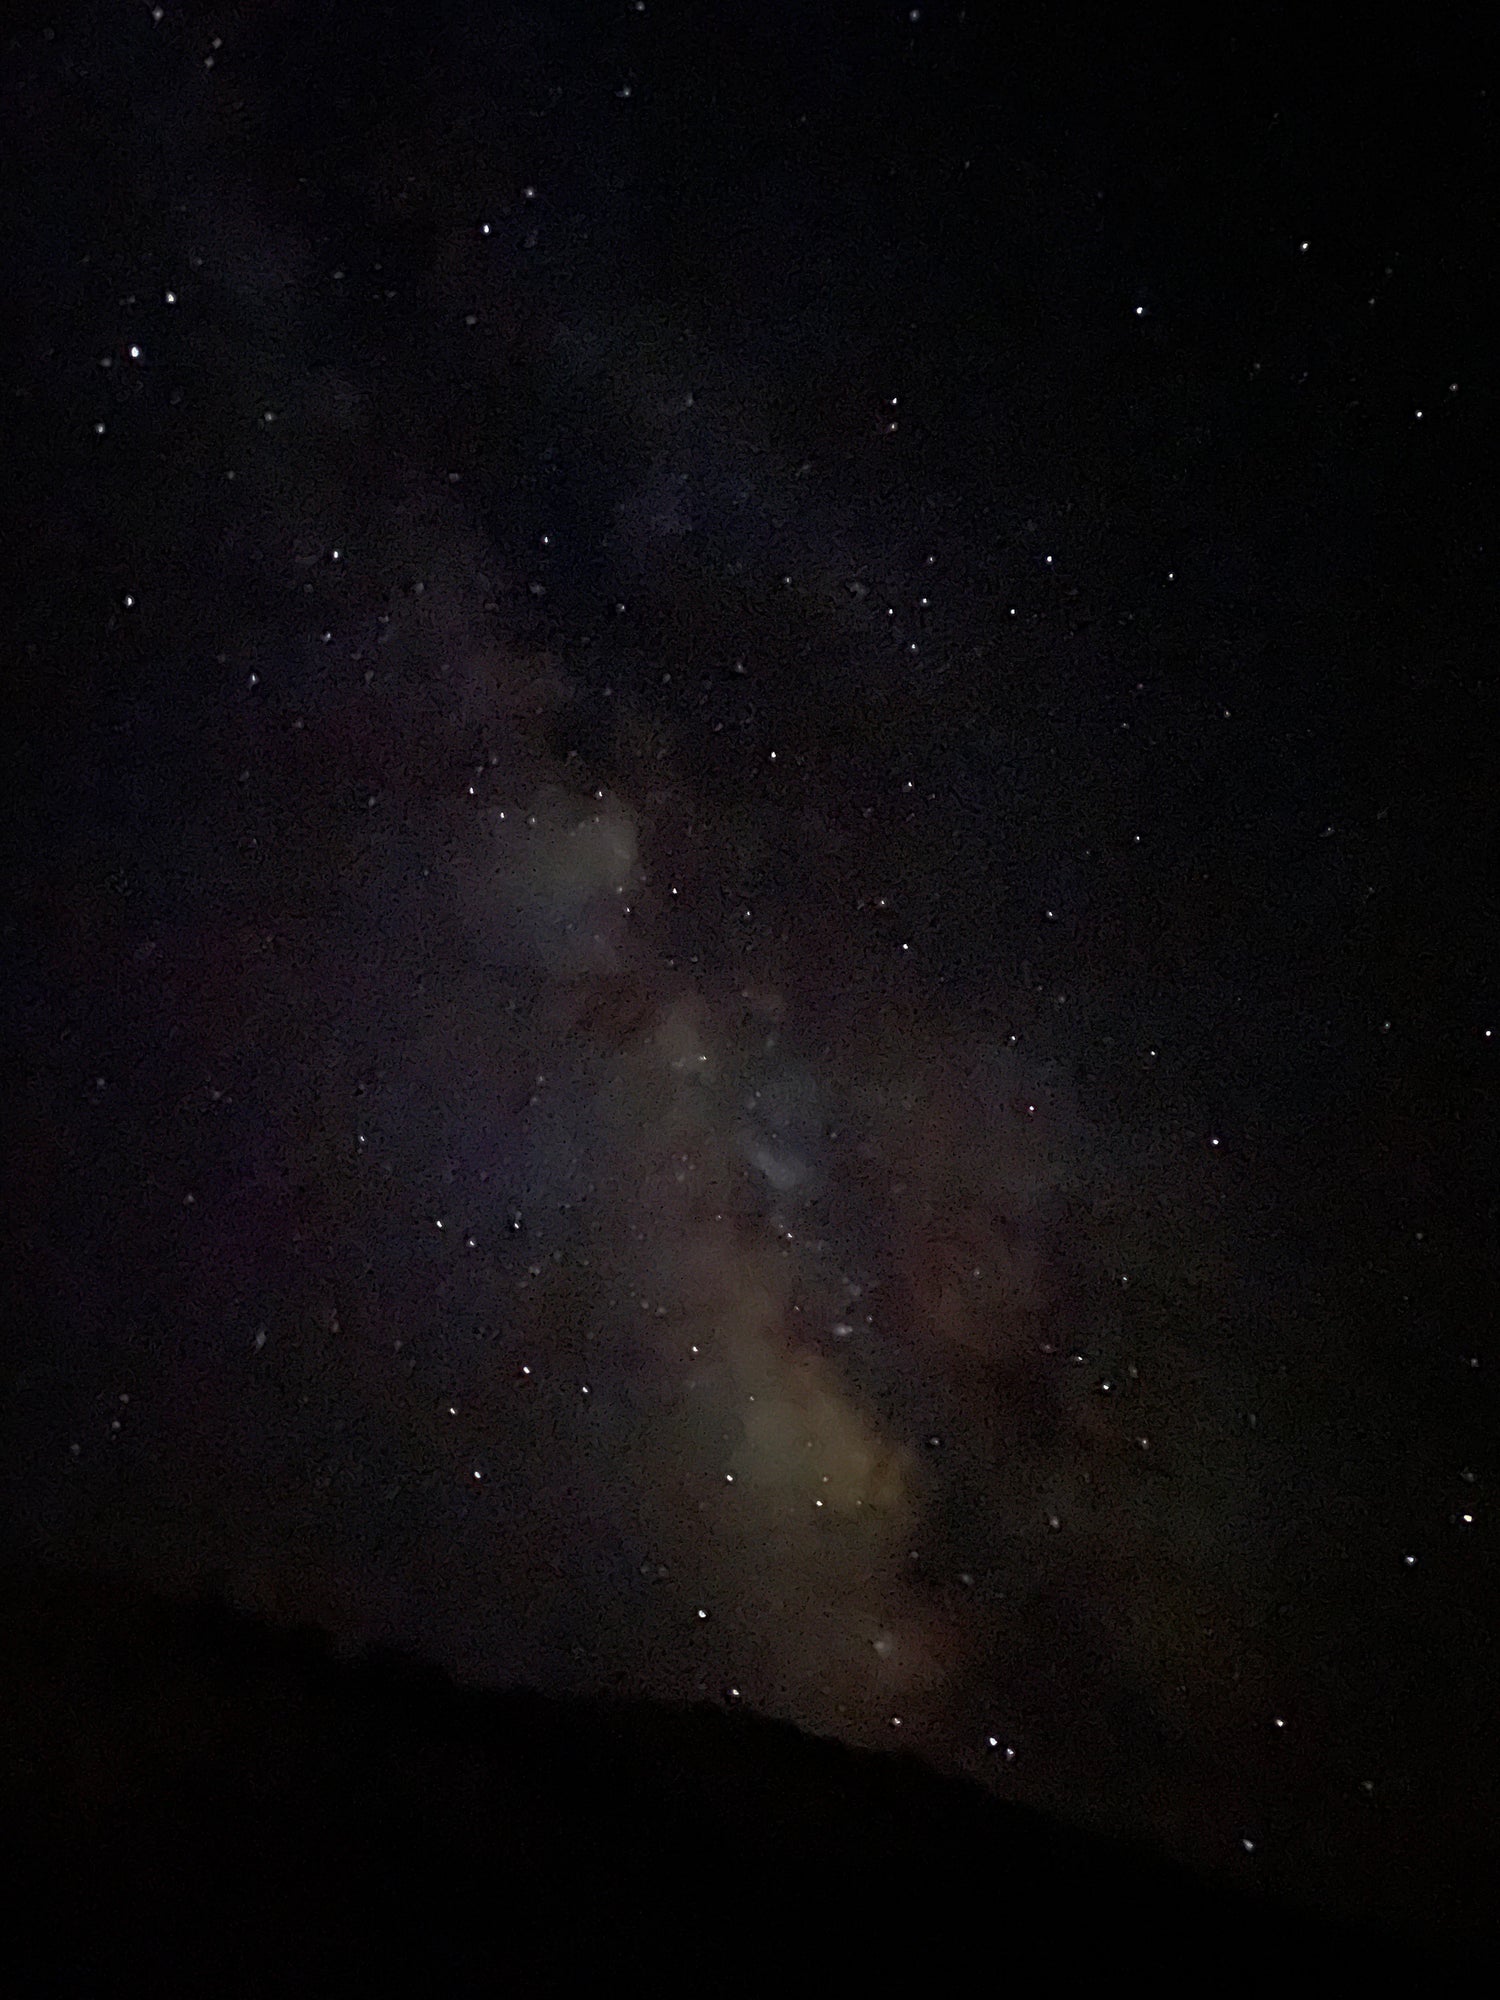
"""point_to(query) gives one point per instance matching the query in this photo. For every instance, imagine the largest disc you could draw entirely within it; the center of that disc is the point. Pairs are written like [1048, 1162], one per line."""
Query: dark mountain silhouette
[197, 1803]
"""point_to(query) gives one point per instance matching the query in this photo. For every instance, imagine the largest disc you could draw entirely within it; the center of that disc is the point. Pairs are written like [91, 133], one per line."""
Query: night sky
[747, 955]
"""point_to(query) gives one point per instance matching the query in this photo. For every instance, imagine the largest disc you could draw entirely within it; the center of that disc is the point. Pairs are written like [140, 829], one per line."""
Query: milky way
[594, 1319]
[712, 987]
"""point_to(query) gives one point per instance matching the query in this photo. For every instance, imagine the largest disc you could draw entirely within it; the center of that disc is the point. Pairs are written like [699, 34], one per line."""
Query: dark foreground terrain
[199, 1804]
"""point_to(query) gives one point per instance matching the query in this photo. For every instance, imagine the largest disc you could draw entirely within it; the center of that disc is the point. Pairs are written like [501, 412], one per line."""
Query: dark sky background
[748, 953]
